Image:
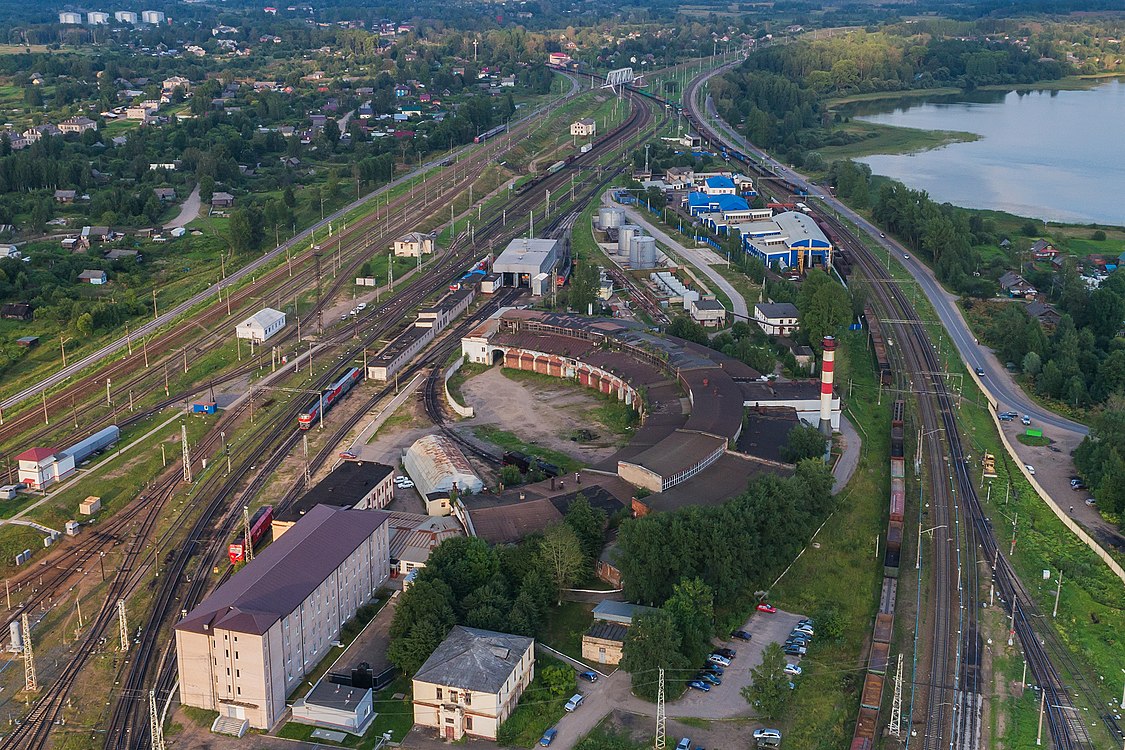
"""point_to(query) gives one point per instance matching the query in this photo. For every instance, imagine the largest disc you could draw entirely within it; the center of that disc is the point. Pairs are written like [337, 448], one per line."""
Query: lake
[1053, 155]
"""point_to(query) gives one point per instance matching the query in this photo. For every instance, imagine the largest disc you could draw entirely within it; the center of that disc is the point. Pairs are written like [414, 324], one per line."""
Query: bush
[1098, 236]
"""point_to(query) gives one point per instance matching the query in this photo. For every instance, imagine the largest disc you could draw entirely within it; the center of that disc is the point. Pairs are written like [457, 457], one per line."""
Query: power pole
[187, 453]
[30, 684]
[1058, 590]
[155, 727]
[305, 448]
[122, 625]
[661, 715]
[248, 546]
[894, 728]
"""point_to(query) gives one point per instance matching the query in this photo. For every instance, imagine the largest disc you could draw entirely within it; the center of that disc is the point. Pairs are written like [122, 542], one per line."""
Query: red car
[763, 607]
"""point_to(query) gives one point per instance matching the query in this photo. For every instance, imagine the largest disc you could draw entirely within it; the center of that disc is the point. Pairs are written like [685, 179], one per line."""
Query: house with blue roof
[719, 185]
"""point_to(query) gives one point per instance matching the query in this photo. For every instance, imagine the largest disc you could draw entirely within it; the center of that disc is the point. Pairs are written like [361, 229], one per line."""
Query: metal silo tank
[646, 252]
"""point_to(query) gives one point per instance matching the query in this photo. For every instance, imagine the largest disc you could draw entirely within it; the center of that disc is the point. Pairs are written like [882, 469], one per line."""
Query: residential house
[777, 318]
[584, 128]
[98, 234]
[709, 313]
[144, 113]
[471, 683]
[679, 178]
[65, 196]
[96, 278]
[1046, 314]
[1043, 250]
[413, 245]
[164, 194]
[17, 311]
[221, 200]
[77, 125]
[1015, 286]
[176, 82]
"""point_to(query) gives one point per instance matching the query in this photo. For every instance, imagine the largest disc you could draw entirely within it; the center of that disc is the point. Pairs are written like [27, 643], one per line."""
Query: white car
[401, 478]
[793, 669]
[1030, 469]
[406, 485]
[574, 702]
[361, 306]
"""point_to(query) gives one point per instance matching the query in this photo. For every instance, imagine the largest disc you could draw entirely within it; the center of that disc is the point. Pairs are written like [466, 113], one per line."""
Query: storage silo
[68, 17]
[646, 252]
[610, 217]
[625, 235]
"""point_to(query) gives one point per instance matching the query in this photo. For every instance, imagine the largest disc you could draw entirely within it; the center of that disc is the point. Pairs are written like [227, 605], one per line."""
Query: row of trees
[509, 589]
[1100, 458]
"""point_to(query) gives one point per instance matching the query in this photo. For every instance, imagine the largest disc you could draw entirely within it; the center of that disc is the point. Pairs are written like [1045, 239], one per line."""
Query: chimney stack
[826, 376]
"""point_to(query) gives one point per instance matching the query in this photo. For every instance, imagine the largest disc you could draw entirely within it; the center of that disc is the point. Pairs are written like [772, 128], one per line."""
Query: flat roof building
[359, 485]
[248, 645]
[525, 259]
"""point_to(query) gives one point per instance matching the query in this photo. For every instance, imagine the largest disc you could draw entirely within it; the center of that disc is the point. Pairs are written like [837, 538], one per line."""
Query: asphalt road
[171, 315]
[188, 211]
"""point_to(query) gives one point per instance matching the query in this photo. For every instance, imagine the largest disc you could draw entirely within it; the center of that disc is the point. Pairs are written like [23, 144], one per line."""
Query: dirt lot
[540, 411]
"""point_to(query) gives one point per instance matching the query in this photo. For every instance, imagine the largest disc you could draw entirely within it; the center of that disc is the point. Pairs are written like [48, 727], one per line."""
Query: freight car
[878, 343]
[259, 525]
[99, 441]
[521, 461]
[329, 397]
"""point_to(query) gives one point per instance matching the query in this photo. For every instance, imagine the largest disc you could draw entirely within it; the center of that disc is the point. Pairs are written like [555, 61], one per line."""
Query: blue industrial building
[790, 239]
[699, 203]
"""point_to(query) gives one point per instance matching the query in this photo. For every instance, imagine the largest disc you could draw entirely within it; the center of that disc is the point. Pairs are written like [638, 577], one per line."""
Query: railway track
[146, 367]
[956, 684]
[128, 724]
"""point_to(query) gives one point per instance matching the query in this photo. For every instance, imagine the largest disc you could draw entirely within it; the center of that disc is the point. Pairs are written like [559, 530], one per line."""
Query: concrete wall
[464, 411]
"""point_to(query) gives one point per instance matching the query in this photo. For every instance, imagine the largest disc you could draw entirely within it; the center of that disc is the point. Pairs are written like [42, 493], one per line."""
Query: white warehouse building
[152, 16]
[437, 466]
[528, 264]
[125, 16]
[261, 325]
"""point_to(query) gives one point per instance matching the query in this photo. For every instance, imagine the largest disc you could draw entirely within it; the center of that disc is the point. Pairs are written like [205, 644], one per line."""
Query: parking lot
[724, 701]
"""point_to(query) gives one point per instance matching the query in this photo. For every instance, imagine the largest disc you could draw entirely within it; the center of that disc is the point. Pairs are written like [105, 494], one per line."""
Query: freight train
[526, 463]
[878, 344]
[259, 525]
[330, 397]
[878, 662]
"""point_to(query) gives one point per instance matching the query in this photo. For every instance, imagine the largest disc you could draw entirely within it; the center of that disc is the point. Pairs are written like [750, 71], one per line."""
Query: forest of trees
[510, 589]
[777, 96]
[1081, 361]
[1100, 457]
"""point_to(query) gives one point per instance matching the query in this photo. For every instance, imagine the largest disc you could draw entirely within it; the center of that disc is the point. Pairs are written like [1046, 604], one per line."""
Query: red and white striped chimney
[827, 367]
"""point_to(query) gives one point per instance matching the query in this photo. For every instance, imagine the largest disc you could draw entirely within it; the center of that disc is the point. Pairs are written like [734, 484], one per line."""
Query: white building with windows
[261, 325]
[245, 648]
[777, 318]
[472, 682]
[584, 128]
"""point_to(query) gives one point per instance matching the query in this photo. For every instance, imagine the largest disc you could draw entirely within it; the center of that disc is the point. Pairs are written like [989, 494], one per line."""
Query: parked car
[1025, 419]
[589, 676]
[1091, 501]
[1076, 483]
[767, 734]
[713, 669]
[730, 653]
[574, 702]
[741, 635]
[1030, 469]
[804, 630]
[406, 485]
[795, 650]
[708, 677]
[401, 478]
[684, 744]
[699, 685]
[719, 659]
[361, 306]
[764, 607]
[805, 621]
[347, 455]
[793, 669]
[548, 737]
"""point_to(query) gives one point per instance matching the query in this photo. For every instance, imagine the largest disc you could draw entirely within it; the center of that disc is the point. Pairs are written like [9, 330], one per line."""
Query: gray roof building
[474, 659]
[777, 309]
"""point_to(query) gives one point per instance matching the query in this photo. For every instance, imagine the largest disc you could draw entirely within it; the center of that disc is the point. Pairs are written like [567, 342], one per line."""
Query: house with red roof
[42, 467]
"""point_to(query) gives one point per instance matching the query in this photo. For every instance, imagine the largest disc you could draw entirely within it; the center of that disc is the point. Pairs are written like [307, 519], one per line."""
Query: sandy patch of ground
[538, 412]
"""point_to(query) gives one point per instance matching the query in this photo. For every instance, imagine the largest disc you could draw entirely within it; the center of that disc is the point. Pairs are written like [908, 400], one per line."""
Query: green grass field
[843, 574]
[889, 139]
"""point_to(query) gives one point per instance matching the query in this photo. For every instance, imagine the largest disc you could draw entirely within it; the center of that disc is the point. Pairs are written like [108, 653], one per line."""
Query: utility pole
[1058, 590]
[661, 715]
[895, 727]
[30, 684]
[122, 625]
[1042, 706]
[187, 453]
[155, 727]
[248, 546]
